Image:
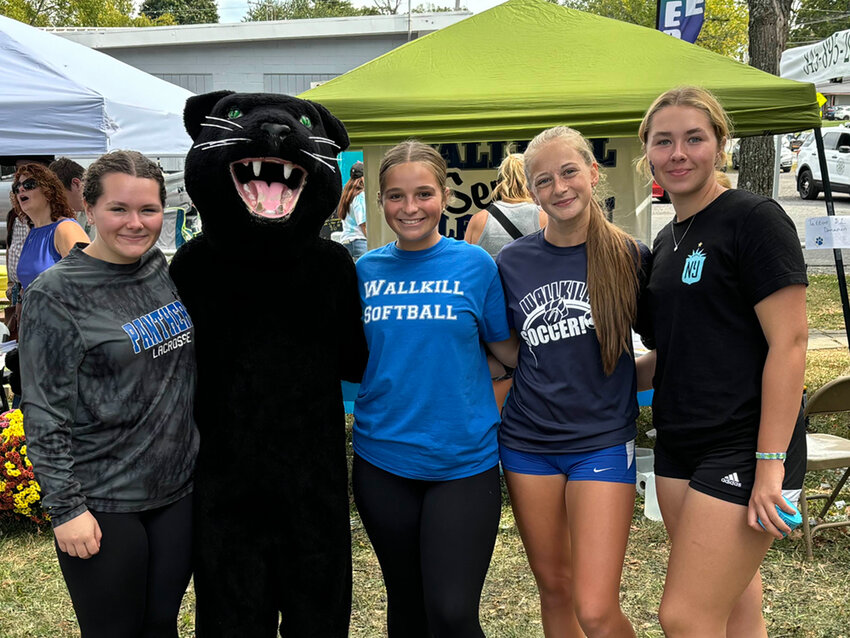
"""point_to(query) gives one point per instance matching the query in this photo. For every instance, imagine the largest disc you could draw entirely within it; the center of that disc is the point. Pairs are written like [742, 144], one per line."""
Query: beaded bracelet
[770, 456]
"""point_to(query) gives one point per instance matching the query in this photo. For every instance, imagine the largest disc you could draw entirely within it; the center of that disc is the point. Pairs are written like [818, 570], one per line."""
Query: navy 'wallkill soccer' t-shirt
[426, 409]
[561, 400]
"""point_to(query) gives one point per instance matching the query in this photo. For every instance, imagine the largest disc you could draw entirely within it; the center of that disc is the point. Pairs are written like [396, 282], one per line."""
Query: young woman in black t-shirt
[727, 307]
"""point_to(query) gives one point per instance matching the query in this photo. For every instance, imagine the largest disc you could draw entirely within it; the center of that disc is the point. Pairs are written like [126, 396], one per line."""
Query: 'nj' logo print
[693, 267]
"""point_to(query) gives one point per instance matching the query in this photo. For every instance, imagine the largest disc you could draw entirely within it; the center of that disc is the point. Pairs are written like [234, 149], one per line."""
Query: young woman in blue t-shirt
[568, 428]
[426, 479]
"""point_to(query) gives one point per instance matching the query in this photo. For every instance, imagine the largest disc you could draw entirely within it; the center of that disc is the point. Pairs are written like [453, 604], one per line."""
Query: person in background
[38, 197]
[107, 357]
[426, 475]
[17, 229]
[71, 175]
[352, 212]
[726, 302]
[511, 201]
[510, 215]
[566, 440]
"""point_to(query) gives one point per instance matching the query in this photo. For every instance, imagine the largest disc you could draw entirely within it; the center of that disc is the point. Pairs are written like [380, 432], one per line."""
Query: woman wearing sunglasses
[39, 199]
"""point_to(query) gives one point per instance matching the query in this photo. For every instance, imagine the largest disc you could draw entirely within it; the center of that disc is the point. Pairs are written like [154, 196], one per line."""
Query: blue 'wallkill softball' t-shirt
[426, 409]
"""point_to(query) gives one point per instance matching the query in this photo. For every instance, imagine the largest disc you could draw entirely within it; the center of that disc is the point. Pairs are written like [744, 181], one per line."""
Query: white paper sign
[828, 232]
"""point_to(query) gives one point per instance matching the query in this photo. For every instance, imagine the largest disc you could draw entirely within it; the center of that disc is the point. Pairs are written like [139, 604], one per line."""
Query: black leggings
[133, 586]
[434, 540]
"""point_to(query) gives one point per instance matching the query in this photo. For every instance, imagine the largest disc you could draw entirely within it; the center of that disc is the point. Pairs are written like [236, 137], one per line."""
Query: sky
[234, 10]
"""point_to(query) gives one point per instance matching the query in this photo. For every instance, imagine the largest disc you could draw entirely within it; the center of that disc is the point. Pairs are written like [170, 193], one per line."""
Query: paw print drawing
[819, 241]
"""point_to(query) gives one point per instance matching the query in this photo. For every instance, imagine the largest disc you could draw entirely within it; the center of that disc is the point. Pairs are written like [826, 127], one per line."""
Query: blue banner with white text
[681, 18]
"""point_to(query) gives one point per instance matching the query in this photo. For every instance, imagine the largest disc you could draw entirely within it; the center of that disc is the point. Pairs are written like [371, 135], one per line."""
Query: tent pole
[830, 211]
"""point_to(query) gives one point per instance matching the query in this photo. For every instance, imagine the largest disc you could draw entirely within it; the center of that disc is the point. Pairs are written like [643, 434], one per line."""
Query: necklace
[676, 244]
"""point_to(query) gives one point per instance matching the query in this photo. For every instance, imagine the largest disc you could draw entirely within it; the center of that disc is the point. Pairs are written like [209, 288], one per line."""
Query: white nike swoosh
[604, 469]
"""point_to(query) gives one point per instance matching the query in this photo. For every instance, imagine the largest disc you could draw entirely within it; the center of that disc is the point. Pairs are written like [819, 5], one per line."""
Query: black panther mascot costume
[277, 320]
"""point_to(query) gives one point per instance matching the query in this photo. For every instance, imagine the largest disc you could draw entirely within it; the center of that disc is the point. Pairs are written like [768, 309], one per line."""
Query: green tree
[184, 11]
[301, 9]
[815, 20]
[768, 29]
[724, 30]
[78, 13]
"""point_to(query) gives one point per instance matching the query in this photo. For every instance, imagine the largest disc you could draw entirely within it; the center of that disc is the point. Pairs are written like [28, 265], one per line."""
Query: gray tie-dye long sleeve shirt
[108, 375]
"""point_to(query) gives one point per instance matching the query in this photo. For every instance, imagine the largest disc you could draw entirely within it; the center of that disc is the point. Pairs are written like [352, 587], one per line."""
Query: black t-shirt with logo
[700, 301]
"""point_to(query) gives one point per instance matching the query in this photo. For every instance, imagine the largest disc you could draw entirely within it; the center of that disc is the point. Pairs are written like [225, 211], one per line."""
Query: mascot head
[262, 171]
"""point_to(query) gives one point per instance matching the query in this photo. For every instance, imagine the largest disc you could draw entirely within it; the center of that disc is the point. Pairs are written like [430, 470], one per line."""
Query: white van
[836, 143]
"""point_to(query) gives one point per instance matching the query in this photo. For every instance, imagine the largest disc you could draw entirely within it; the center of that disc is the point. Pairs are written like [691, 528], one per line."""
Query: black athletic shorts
[721, 462]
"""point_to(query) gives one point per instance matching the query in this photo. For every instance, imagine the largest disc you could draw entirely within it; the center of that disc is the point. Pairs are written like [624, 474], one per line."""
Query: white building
[287, 56]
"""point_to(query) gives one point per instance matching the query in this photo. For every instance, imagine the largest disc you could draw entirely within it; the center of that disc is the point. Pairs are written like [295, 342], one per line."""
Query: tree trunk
[769, 24]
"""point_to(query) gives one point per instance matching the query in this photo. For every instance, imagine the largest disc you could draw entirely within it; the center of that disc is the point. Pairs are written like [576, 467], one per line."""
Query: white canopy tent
[62, 98]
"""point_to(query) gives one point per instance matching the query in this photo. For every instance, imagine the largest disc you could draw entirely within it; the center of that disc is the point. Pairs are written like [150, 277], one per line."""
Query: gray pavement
[827, 339]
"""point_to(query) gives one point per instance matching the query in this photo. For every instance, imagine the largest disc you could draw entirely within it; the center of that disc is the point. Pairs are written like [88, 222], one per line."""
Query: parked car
[841, 112]
[659, 194]
[795, 141]
[836, 142]
[829, 112]
[786, 159]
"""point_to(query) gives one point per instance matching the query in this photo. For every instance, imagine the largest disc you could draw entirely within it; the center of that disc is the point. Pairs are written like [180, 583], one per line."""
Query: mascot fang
[277, 320]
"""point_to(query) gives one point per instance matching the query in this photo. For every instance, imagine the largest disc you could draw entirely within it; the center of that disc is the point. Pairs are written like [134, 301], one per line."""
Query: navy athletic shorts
[615, 464]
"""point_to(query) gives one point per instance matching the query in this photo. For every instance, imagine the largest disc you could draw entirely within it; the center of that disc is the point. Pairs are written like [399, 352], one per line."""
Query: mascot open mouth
[269, 186]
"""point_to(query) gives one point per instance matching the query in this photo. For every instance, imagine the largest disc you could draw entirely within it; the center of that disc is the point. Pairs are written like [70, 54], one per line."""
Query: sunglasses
[26, 185]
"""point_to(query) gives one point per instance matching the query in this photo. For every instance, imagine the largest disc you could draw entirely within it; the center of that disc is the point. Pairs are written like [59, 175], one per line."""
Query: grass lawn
[802, 599]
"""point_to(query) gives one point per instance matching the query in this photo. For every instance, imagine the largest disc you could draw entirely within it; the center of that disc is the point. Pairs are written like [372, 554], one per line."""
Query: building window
[293, 83]
[194, 82]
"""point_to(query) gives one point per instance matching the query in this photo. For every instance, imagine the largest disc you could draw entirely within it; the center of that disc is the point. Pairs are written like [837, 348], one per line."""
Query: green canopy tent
[525, 65]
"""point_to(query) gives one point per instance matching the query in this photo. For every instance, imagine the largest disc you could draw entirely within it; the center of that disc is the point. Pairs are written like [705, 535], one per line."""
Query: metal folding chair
[826, 452]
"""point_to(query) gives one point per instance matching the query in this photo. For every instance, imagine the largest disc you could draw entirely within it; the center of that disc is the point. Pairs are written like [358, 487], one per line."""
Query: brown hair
[352, 188]
[413, 151]
[67, 170]
[50, 186]
[513, 183]
[695, 97]
[613, 260]
[126, 162]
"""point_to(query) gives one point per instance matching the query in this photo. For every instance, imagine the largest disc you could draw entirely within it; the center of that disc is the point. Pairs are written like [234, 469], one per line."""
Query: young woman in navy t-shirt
[426, 478]
[727, 303]
[568, 428]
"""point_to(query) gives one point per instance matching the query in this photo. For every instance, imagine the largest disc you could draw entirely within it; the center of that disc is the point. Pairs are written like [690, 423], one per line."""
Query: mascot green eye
[306, 121]
[234, 113]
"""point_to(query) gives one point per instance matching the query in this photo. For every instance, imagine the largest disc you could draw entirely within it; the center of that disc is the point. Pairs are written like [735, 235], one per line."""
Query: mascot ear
[199, 106]
[333, 127]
